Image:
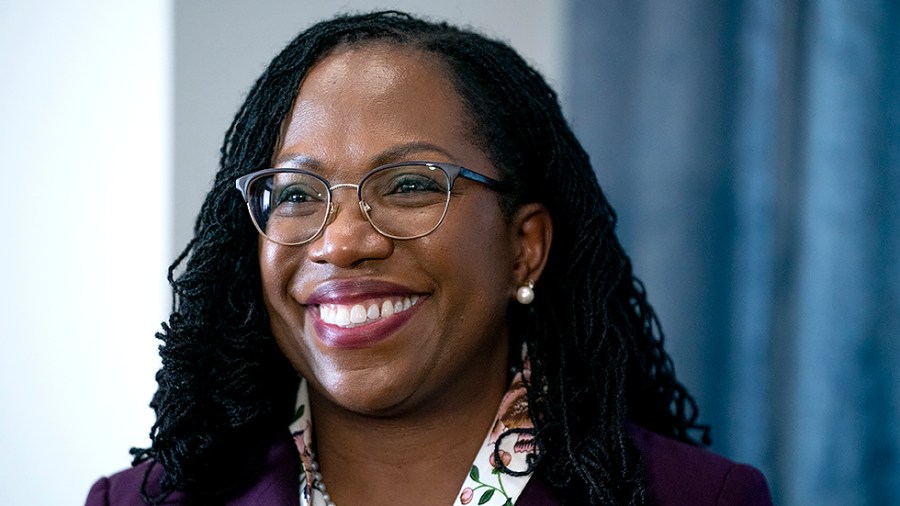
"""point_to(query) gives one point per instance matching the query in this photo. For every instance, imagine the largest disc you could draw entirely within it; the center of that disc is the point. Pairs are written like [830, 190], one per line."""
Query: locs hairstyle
[595, 344]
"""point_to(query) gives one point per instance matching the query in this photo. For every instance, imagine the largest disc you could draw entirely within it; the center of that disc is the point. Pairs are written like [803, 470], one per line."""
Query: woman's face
[359, 108]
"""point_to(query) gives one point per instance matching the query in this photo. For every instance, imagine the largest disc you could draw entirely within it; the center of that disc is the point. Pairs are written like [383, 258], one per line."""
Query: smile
[348, 316]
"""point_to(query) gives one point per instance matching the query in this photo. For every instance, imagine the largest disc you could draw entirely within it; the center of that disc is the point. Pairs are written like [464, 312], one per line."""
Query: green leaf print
[489, 491]
[300, 410]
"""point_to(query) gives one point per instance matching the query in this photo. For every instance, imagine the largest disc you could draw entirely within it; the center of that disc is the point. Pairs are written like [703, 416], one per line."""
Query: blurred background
[751, 149]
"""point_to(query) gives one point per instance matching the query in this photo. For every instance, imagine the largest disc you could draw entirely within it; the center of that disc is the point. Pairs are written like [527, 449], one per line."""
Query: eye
[298, 200]
[406, 187]
[298, 194]
[413, 183]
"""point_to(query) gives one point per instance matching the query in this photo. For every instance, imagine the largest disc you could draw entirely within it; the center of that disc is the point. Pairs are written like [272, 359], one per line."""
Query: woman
[434, 260]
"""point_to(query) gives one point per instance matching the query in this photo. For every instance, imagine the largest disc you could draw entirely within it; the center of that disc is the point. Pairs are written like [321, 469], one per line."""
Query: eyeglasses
[401, 200]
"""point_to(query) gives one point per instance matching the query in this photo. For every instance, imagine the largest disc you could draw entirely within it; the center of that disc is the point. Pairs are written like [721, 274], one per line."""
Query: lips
[359, 313]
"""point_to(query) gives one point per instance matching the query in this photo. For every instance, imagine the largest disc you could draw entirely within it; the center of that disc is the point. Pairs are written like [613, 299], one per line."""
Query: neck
[418, 457]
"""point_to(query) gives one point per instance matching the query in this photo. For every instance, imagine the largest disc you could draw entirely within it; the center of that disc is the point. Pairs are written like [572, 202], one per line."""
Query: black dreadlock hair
[595, 344]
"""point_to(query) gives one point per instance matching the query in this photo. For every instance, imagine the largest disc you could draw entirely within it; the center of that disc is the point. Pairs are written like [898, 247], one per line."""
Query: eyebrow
[396, 153]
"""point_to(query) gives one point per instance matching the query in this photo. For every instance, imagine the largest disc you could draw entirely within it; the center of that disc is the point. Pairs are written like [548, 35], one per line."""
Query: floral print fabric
[499, 473]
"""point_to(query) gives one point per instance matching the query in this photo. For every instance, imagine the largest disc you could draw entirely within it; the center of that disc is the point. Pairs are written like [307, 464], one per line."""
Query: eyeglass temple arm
[490, 182]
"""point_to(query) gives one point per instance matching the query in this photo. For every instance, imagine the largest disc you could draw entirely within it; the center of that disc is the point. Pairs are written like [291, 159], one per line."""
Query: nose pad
[334, 208]
[354, 239]
[365, 208]
[332, 212]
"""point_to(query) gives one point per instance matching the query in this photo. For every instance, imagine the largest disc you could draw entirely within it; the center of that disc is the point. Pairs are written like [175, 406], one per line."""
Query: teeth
[358, 314]
[343, 316]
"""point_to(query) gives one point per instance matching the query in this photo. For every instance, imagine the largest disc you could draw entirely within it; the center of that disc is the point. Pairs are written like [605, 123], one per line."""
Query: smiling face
[382, 326]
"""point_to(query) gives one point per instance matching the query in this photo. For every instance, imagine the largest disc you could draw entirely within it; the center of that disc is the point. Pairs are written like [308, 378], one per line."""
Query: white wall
[84, 155]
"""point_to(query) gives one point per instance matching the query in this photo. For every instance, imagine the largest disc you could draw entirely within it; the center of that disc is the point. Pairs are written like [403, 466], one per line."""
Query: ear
[533, 232]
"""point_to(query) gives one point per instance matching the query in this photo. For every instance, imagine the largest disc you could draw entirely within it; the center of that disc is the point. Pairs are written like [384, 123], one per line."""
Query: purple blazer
[678, 474]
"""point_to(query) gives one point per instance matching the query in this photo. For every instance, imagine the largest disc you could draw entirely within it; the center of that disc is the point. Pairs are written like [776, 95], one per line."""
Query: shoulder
[276, 482]
[678, 473]
[124, 487]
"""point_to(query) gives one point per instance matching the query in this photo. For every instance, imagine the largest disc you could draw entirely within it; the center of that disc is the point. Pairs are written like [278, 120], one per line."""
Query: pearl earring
[525, 293]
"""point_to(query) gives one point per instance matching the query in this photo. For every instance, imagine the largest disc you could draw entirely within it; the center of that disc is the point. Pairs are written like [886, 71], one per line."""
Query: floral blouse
[489, 482]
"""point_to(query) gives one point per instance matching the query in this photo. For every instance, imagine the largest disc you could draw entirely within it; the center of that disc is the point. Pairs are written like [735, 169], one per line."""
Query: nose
[348, 239]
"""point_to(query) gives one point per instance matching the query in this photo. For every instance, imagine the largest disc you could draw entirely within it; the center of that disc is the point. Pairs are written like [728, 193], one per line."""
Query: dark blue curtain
[752, 150]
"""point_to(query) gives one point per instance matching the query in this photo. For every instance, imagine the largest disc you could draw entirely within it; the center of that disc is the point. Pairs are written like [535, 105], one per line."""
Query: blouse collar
[499, 472]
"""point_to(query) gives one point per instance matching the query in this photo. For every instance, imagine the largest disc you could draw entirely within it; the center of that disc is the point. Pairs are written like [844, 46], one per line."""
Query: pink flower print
[505, 457]
[525, 444]
[513, 412]
[466, 496]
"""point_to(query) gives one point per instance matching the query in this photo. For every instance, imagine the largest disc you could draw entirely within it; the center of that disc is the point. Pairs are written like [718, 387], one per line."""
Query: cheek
[478, 255]
[270, 267]
[286, 317]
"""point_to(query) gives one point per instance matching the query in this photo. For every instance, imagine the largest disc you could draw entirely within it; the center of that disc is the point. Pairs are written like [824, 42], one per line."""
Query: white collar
[486, 484]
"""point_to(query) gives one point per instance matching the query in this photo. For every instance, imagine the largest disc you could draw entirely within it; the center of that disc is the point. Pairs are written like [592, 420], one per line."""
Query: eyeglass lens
[402, 202]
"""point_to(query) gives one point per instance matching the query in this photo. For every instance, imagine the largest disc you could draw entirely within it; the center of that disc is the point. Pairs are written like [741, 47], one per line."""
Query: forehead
[362, 101]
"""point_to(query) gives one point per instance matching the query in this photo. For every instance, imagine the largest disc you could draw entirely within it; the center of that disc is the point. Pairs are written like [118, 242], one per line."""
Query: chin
[368, 392]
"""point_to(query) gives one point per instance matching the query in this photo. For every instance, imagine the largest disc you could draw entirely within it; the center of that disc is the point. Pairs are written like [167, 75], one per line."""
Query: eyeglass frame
[452, 171]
